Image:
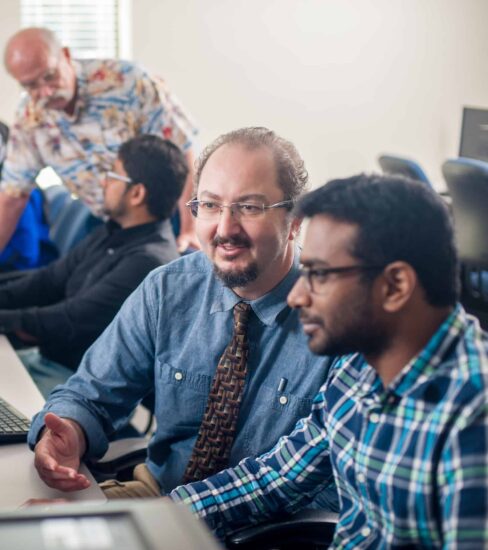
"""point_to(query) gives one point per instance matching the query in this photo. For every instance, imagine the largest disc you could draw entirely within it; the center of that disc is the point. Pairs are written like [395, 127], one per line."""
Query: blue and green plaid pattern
[410, 461]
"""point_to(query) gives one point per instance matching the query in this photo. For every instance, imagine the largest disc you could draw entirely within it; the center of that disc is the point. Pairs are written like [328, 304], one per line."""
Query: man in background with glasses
[65, 306]
[402, 420]
[75, 116]
[221, 311]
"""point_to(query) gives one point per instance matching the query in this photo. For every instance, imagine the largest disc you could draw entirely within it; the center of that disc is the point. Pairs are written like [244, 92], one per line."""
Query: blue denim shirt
[169, 335]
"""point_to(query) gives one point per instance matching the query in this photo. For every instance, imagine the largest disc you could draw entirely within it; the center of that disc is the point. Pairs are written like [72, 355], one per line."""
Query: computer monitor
[155, 524]
[474, 134]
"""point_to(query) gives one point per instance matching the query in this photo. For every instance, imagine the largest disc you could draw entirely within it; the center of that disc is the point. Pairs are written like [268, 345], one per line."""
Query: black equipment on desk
[14, 426]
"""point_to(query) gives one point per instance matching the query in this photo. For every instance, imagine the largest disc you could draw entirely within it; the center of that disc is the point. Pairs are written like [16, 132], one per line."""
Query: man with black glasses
[64, 307]
[211, 334]
[402, 420]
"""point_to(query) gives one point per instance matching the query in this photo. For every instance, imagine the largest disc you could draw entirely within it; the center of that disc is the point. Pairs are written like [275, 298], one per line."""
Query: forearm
[258, 489]
[11, 208]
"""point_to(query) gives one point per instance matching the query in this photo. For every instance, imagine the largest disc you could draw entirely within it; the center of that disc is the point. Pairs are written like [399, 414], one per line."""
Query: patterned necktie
[217, 430]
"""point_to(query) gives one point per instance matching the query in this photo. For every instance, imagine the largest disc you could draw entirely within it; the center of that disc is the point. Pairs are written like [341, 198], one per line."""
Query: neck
[272, 276]
[135, 218]
[409, 335]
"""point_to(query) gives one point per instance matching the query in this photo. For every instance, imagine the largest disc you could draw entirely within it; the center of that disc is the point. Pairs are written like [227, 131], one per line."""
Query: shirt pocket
[276, 414]
[182, 398]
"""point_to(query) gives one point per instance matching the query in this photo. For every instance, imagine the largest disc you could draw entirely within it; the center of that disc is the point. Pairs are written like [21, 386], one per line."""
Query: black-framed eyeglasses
[119, 177]
[211, 210]
[316, 278]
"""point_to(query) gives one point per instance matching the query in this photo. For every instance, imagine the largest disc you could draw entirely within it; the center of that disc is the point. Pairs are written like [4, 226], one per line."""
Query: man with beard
[65, 306]
[401, 422]
[74, 116]
[171, 337]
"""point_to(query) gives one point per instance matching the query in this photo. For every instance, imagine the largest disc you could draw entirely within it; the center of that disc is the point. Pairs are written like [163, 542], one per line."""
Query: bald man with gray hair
[74, 117]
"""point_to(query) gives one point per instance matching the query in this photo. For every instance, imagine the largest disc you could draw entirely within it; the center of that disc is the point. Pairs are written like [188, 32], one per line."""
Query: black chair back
[467, 180]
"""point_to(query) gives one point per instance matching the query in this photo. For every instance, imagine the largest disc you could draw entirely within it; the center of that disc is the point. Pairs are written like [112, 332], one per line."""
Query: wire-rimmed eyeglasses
[316, 278]
[209, 210]
[119, 177]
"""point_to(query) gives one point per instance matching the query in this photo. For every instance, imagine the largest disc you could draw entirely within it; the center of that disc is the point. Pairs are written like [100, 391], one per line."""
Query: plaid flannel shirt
[410, 461]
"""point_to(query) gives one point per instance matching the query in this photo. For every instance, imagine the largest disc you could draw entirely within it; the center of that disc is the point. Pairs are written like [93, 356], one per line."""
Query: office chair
[403, 167]
[306, 530]
[73, 223]
[55, 198]
[467, 180]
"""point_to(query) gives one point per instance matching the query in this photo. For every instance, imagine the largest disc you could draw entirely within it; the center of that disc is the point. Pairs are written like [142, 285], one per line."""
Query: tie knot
[241, 317]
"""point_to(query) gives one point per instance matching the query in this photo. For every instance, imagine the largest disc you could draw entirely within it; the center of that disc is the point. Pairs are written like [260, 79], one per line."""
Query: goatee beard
[236, 279]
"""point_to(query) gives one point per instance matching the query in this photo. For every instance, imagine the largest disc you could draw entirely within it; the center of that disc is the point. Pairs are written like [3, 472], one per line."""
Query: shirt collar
[420, 367]
[267, 307]
[81, 90]
[119, 236]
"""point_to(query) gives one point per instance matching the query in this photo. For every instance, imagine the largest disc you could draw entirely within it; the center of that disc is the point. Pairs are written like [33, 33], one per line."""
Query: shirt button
[374, 418]
[366, 531]
[283, 399]
[361, 477]
[110, 251]
[178, 376]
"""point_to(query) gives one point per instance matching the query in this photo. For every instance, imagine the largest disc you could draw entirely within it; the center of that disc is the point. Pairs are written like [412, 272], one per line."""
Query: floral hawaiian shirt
[117, 100]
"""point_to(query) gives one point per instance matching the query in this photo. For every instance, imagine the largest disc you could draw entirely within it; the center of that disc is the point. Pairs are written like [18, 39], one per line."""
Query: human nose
[299, 295]
[42, 91]
[228, 222]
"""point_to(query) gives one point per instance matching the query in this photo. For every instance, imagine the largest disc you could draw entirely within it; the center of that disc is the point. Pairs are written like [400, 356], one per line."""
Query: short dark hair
[292, 175]
[160, 166]
[398, 219]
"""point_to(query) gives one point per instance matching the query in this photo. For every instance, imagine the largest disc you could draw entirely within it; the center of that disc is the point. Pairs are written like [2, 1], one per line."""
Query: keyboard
[13, 424]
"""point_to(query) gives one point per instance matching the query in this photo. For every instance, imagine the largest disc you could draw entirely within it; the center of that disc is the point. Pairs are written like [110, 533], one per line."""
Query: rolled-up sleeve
[23, 162]
[113, 377]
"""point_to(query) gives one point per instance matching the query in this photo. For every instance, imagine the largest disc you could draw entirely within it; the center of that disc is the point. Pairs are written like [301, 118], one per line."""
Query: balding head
[29, 47]
[36, 59]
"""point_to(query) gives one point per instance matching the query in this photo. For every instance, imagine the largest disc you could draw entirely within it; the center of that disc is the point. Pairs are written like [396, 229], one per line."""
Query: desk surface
[18, 477]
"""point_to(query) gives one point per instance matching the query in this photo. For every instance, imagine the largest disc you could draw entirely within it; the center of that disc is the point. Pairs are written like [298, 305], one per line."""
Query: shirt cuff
[10, 321]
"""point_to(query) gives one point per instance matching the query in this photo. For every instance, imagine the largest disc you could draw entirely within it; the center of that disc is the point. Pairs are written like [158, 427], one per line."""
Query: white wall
[344, 79]
[9, 91]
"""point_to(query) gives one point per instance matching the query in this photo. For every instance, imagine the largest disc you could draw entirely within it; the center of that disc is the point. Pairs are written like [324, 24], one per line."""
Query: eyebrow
[315, 262]
[255, 196]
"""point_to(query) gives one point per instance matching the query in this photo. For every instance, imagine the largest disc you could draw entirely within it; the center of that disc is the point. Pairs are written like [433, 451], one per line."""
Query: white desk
[18, 477]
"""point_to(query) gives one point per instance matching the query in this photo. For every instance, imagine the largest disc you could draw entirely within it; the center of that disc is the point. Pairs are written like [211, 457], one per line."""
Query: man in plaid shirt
[401, 423]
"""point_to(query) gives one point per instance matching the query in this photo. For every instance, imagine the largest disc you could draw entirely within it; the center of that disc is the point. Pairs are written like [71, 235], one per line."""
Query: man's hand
[58, 452]
[48, 502]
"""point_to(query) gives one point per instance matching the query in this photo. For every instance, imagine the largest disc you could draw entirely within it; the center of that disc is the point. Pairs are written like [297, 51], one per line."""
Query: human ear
[138, 194]
[294, 228]
[399, 281]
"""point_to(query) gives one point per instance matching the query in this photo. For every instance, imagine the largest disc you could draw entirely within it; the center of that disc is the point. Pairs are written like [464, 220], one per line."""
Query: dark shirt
[68, 304]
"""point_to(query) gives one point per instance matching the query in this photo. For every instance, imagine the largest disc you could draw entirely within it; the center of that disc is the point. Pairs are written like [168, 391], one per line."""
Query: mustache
[235, 241]
[60, 94]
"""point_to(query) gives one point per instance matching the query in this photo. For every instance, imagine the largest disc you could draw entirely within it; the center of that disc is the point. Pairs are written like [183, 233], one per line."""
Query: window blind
[88, 27]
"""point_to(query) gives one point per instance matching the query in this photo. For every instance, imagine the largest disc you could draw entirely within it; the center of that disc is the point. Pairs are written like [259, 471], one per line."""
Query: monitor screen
[108, 532]
[474, 134]
[137, 524]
